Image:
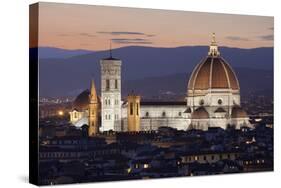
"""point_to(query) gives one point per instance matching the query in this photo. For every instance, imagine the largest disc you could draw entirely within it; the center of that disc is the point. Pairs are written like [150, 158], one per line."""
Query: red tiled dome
[213, 73]
[82, 101]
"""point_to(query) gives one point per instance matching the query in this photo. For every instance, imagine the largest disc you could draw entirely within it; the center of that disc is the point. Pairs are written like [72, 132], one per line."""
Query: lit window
[145, 166]
[195, 158]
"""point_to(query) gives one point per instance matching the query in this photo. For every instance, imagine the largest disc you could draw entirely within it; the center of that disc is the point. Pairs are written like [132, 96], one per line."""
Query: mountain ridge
[62, 76]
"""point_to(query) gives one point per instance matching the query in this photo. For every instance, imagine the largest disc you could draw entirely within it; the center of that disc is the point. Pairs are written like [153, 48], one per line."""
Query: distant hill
[50, 52]
[152, 70]
[252, 81]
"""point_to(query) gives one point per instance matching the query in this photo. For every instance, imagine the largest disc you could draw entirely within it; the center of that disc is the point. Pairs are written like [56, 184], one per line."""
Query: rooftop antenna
[110, 51]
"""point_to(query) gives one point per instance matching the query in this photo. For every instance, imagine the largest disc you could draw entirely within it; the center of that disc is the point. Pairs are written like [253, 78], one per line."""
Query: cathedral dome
[200, 113]
[82, 101]
[213, 73]
[238, 112]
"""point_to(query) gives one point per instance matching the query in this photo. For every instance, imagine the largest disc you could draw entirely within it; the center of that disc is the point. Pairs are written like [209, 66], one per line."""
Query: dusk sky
[91, 27]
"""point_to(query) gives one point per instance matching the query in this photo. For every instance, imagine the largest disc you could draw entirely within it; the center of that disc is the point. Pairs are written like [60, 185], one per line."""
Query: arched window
[164, 114]
[107, 85]
[116, 84]
[137, 109]
[180, 114]
[201, 102]
[147, 114]
[131, 108]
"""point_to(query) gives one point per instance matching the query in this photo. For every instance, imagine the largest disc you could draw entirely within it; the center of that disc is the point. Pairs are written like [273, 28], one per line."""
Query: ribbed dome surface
[82, 101]
[213, 73]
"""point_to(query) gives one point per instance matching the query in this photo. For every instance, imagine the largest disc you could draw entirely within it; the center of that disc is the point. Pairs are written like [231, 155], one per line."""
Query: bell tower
[93, 111]
[133, 112]
[110, 93]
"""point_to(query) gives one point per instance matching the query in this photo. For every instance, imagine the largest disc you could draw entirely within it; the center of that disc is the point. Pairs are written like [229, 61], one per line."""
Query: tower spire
[93, 111]
[93, 93]
[213, 50]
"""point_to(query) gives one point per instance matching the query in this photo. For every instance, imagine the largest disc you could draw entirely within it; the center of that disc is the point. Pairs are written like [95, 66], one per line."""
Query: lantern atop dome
[213, 50]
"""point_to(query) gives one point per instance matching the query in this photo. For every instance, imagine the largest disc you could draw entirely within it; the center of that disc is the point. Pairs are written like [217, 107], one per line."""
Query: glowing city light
[145, 166]
[60, 113]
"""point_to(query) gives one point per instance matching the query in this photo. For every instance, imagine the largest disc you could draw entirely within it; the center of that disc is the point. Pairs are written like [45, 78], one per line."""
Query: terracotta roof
[164, 103]
[200, 113]
[238, 112]
[220, 109]
[188, 110]
[82, 101]
[213, 72]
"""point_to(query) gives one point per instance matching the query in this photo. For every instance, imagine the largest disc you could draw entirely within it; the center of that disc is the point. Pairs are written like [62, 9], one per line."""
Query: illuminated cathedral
[212, 100]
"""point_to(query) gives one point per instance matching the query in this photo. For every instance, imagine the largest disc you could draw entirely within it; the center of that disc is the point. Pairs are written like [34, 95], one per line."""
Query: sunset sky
[91, 27]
